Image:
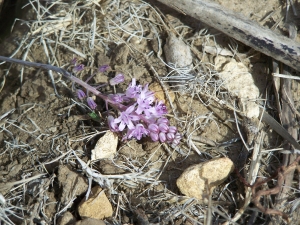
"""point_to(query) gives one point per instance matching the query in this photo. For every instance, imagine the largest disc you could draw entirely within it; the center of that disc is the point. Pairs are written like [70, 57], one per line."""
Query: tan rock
[197, 179]
[90, 221]
[66, 218]
[159, 93]
[70, 183]
[106, 146]
[97, 206]
[239, 82]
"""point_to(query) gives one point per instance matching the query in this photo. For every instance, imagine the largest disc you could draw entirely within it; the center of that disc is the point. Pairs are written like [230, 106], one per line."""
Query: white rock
[105, 147]
[198, 179]
[97, 206]
[177, 52]
[239, 82]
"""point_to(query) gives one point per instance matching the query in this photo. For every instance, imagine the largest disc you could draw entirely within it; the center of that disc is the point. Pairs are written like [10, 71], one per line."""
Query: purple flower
[113, 126]
[78, 68]
[143, 106]
[133, 90]
[119, 78]
[126, 118]
[103, 68]
[139, 117]
[138, 132]
[119, 98]
[91, 103]
[145, 94]
[144, 101]
[159, 109]
[80, 94]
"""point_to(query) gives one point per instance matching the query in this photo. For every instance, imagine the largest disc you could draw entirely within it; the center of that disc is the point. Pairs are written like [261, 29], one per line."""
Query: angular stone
[97, 206]
[71, 183]
[197, 179]
[105, 147]
[66, 218]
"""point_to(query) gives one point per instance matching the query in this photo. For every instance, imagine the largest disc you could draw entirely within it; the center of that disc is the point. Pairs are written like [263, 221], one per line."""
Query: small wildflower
[91, 103]
[78, 68]
[80, 94]
[138, 132]
[133, 90]
[113, 126]
[119, 78]
[143, 106]
[126, 118]
[103, 68]
[141, 114]
[146, 95]
[159, 109]
[119, 98]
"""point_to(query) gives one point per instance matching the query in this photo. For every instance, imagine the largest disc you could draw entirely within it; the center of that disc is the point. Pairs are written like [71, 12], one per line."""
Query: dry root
[256, 195]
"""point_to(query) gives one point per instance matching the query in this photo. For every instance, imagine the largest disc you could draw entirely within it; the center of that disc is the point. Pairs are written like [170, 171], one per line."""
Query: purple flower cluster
[142, 116]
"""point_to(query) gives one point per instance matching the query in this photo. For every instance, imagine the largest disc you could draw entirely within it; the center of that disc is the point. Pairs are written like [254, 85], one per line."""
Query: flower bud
[172, 129]
[175, 142]
[176, 139]
[153, 128]
[103, 68]
[163, 127]
[91, 103]
[154, 136]
[163, 120]
[80, 94]
[78, 68]
[162, 137]
[170, 136]
[113, 126]
[119, 78]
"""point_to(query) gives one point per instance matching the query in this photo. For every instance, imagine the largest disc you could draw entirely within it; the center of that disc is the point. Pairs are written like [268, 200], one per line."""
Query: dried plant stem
[254, 167]
[65, 73]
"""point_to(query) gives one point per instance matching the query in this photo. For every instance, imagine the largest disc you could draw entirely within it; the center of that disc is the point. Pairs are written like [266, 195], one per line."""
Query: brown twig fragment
[256, 195]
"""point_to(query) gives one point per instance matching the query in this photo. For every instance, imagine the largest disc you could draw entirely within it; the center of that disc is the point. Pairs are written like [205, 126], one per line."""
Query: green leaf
[95, 116]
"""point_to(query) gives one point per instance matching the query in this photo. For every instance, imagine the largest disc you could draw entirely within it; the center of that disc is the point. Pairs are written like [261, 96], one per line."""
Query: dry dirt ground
[45, 128]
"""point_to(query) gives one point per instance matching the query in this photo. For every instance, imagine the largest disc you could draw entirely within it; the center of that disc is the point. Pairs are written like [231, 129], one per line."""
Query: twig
[281, 173]
[242, 29]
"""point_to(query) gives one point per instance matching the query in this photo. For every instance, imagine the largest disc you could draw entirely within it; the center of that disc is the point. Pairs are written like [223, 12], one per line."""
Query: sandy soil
[41, 179]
